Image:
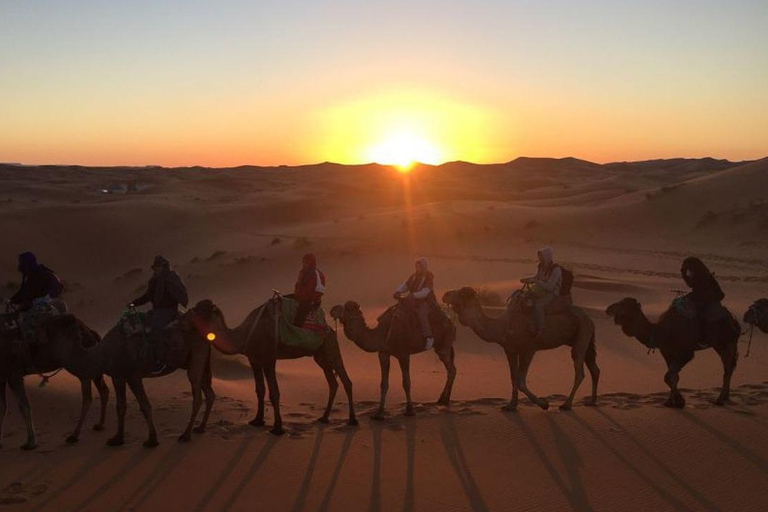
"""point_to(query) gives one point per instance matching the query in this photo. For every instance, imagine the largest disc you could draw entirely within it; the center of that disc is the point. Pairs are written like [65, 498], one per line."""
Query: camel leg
[728, 355]
[384, 363]
[405, 370]
[210, 397]
[17, 387]
[513, 361]
[525, 363]
[594, 371]
[120, 400]
[447, 357]
[103, 390]
[274, 397]
[672, 378]
[347, 383]
[195, 375]
[333, 387]
[137, 387]
[578, 378]
[87, 394]
[3, 409]
[258, 379]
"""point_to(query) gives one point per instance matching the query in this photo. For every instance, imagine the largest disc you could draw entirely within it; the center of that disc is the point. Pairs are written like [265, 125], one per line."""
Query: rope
[749, 343]
[391, 324]
[48, 377]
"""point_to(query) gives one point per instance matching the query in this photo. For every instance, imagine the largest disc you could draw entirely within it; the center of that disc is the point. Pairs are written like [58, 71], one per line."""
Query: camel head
[205, 319]
[459, 300]
[757, 315]
[350, 309]
[625, 313]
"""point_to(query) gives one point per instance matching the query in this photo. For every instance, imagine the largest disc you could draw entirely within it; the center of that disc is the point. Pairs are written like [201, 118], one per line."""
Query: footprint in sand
[18, 492]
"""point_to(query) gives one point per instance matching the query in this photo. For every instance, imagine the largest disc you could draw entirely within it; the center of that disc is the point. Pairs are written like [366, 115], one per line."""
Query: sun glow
[399, 127]
[211, 336]
[404, 149]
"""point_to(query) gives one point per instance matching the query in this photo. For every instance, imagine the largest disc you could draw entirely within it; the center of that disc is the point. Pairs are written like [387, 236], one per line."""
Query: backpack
[567, 281]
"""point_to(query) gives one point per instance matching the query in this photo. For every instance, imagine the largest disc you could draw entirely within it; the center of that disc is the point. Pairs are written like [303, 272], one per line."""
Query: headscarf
[309, 260]
[27, 262]
[548, 255]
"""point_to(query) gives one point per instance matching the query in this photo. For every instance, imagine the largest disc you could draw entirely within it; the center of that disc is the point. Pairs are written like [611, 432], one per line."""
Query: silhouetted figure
[705, 290]
[39, 284]
[166, 291]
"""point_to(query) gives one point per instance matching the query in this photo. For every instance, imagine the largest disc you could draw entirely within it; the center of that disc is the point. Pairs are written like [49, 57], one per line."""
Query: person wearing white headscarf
[420, 287]
[545, 286]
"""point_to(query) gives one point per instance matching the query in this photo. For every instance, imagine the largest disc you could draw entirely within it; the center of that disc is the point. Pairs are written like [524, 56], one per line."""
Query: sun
[403, 150]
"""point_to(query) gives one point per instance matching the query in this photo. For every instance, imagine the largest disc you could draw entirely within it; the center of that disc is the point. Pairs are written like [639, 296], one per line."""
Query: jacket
[166, 291]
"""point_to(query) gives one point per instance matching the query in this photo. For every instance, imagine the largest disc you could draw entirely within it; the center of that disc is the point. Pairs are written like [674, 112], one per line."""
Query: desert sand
[234, 234]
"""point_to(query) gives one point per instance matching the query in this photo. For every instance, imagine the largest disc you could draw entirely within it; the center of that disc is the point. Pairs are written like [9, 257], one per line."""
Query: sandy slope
[480, 226]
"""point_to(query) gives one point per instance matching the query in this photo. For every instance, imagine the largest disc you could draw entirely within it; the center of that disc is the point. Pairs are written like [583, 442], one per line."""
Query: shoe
[159, 368]
[430, 343]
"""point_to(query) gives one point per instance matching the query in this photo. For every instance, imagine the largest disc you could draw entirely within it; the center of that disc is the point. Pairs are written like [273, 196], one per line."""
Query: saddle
[524, 302]
[714, 313]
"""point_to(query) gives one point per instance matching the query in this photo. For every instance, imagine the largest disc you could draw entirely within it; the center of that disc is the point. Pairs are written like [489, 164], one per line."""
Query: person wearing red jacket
[309, 289]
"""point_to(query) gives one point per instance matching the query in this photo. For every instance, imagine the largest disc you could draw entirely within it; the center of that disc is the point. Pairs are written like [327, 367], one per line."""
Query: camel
[43, 358]
[85, 356]
[257, 338]
[512, 331]
[399, 340]
[757, 315]
[677, 338]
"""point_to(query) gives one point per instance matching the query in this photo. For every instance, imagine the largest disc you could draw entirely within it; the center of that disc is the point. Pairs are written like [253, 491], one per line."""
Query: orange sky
[219, 85]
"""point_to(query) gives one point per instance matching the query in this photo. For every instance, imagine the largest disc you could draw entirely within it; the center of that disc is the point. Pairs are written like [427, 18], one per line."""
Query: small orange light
[211, 336]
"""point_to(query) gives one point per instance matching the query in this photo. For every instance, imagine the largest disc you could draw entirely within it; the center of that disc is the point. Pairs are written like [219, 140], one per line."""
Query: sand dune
[234, 234]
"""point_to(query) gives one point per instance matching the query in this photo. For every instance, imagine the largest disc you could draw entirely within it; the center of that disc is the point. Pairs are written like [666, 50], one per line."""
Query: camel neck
[487, 328]
[370, 340]
[646, 331]
[234, 341]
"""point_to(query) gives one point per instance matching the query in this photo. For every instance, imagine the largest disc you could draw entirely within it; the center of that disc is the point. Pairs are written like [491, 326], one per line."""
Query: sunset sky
[267, 82]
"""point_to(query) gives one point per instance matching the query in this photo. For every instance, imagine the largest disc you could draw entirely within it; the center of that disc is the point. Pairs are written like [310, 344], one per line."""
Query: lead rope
[391, 324]
[652, 343]
[749, 343]
[48, 377]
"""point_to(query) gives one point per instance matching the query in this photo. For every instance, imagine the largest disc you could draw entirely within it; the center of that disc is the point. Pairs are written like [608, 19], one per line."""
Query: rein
[758, 319]
[48, 377]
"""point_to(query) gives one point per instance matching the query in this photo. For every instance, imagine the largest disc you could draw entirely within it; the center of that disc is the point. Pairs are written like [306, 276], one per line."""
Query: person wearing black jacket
[165, 291]
[38, 282]
[705, 290]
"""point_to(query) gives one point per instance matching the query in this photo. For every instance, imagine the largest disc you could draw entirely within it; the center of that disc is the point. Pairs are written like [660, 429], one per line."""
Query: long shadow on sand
[301, 497]
[348, 436]
[120, 475]
[92, 463]
[460, 466]
[375, 505]
[250, 473]
[572, 462]
[575, 498]
[668, 497]
[705, 503]
[410, 439]
[755, 459]
[162, 471]
[410, 491]
[240, 451]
